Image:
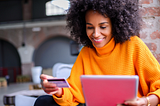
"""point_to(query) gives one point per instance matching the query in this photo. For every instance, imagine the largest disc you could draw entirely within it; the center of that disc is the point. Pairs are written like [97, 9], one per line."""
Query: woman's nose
[96, 33]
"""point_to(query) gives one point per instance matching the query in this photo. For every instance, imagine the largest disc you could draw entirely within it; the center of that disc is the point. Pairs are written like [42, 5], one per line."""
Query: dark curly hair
[124, 15]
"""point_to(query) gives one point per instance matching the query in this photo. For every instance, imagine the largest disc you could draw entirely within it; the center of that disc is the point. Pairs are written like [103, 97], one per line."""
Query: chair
[62, 70]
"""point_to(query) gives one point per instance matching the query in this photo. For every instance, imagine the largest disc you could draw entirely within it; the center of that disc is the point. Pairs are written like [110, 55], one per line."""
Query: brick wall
[150, 32]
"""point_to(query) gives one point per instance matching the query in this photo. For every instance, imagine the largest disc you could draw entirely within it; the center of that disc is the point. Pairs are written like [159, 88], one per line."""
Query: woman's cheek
[89, 33]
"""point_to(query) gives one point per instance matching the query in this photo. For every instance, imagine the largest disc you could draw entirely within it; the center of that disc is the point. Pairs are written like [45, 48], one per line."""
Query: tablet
[108, 90]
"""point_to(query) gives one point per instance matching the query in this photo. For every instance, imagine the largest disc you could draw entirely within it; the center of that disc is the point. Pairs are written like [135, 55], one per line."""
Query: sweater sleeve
[73, 96]
[148, 70]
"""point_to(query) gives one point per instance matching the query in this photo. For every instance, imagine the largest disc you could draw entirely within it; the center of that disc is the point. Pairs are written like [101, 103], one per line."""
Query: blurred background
[33, 33]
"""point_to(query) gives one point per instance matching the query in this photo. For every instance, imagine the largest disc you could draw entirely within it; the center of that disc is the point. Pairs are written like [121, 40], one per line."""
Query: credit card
[60, 82]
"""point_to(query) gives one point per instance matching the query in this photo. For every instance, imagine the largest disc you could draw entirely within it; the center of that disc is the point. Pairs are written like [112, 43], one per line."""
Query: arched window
[57, 7]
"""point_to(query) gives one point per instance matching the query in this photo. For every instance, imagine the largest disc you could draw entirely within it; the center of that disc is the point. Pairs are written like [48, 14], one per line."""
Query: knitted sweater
[129, 58]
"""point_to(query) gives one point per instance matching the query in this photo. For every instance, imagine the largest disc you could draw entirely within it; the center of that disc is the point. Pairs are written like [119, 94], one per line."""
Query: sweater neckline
[108, 48]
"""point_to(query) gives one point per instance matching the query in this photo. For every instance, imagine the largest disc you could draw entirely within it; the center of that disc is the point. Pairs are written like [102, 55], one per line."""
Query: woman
[108, 29]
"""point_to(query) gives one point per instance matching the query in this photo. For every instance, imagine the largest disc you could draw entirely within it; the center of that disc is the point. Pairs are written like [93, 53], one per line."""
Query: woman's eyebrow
[104, 23]
[99, 23]
[89, 23]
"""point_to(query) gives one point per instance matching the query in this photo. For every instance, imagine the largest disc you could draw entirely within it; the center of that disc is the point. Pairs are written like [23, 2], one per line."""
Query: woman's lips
[98, 40]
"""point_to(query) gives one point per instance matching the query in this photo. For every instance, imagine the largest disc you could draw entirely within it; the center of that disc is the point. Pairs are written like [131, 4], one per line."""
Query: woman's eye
[89, 27]
[102, 27]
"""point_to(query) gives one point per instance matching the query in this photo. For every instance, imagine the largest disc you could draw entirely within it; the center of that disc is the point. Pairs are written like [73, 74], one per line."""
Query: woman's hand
[153, 101]
[50, 88]
[135, 102]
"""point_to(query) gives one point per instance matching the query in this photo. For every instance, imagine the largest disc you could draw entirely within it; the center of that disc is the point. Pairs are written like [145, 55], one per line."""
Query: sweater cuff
[59, 100]
[157, 93]
[65, 100]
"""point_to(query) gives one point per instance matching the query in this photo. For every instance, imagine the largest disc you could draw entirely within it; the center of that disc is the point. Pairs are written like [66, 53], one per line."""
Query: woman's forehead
[92, 15]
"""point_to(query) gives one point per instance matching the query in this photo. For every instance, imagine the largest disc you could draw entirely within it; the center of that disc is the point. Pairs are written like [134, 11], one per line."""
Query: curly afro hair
[124, 15]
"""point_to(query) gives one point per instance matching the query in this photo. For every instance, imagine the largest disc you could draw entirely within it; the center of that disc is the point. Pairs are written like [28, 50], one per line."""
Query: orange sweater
[129, 58]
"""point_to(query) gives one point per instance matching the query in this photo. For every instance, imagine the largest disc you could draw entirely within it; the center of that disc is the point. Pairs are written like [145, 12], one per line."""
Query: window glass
[57, 7]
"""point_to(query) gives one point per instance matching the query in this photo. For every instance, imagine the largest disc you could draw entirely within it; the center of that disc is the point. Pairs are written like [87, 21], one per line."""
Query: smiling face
[98, 28]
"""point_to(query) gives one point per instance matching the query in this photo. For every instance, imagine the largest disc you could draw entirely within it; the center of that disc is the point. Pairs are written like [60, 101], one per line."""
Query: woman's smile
[98, 40]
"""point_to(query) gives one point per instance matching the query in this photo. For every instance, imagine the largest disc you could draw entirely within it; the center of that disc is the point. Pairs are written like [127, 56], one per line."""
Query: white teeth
[98, 39]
